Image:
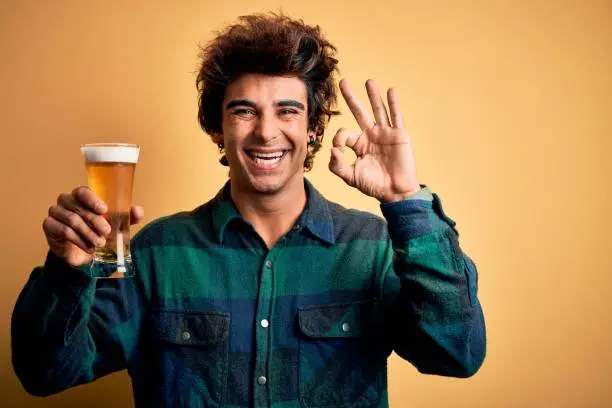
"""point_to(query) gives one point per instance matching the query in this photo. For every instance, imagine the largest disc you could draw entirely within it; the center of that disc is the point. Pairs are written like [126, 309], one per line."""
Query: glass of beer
[110, 175]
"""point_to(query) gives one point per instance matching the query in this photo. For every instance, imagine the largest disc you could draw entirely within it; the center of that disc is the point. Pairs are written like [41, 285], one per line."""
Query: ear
[217, 138]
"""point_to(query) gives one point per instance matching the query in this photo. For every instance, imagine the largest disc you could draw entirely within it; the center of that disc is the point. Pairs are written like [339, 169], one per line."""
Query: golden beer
[110, 175]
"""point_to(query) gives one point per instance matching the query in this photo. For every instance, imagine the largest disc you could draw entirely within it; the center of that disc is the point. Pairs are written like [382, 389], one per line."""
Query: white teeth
[266, 160]
[266, 156]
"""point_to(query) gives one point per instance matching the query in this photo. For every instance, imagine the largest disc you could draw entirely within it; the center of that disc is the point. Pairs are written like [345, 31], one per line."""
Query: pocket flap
[342, 320]
[190, 328]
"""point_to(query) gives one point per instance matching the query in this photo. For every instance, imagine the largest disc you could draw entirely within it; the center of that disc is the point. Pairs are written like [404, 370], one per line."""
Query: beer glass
[110, 175]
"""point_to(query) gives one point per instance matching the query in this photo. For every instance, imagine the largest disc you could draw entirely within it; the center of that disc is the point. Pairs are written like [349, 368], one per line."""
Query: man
[268, 294]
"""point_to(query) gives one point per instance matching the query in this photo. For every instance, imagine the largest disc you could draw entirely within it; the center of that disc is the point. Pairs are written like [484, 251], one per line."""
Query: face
[265, 132]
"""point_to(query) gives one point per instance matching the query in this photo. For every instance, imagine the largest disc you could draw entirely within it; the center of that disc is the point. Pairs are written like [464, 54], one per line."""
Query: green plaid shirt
[215, 319]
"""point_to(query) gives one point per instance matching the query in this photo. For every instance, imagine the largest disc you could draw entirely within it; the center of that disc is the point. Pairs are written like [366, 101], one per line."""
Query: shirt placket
[261, 375]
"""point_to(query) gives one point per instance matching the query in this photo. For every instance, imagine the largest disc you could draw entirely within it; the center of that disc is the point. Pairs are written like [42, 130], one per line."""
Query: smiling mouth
[266, 161]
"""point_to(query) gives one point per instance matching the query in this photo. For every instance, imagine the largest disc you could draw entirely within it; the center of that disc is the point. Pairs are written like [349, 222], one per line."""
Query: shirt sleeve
[433, 316]
[69, 329]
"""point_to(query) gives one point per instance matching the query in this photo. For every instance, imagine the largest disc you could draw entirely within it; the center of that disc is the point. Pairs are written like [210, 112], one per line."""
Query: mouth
[265, 160]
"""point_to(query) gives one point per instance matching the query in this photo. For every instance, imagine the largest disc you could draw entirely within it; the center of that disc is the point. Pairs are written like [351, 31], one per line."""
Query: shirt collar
[316, 217]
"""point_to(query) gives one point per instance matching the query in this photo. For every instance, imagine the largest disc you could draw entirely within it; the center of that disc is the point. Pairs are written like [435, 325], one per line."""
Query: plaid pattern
[214, 319]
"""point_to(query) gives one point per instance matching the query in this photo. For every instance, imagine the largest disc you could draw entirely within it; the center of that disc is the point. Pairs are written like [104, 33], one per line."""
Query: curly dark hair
[269, 44]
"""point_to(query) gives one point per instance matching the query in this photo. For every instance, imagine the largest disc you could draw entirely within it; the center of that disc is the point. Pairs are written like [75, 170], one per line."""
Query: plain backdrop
[509, 104]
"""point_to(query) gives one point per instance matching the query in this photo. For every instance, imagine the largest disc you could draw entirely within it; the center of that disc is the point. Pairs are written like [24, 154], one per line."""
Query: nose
[266, 129]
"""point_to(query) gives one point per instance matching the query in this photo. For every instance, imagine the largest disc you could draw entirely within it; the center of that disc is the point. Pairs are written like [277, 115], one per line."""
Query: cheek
[299, 136]
[235, 133]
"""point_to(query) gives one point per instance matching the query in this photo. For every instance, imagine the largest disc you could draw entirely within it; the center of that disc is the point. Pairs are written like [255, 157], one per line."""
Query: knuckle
[64, 230]
[46, 223]
[81, 193]
[79, 190]
[86, 216]
[74, 220]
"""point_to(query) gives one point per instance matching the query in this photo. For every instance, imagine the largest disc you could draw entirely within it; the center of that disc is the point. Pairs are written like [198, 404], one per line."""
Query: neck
[272, 215]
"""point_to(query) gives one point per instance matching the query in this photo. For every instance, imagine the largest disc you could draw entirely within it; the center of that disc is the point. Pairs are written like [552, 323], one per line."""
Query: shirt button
[262, 380]
[268, 263]
[346, 327]
[265, 323]
[185, 335]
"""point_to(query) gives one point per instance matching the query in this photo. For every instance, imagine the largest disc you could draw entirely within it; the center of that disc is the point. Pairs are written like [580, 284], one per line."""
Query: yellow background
[509, 104]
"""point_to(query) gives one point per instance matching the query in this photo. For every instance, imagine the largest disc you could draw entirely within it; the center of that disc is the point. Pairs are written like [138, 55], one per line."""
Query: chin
[268, 186]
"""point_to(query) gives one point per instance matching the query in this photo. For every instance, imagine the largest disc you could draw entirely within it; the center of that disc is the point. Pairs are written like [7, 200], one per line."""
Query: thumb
[339, 166]
[136, 214]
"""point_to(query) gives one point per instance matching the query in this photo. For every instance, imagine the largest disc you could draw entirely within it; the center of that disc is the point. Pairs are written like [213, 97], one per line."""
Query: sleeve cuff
[423, 194]
[63, 276]
[415, 216]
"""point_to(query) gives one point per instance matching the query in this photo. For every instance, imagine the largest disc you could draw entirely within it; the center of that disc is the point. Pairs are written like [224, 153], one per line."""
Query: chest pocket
[189, 355]
[341, 363]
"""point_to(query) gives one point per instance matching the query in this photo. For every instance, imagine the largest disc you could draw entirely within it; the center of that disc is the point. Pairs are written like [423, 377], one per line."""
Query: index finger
[89, 199]
[363, 119]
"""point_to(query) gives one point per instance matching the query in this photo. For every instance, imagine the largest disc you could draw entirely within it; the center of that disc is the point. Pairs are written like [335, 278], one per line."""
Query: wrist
[395, 197]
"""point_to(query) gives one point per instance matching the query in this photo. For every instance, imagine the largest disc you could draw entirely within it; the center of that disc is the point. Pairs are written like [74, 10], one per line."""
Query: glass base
[102, 270]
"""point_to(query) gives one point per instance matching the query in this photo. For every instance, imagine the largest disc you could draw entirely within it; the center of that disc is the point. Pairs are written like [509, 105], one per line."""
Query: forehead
[263, 89]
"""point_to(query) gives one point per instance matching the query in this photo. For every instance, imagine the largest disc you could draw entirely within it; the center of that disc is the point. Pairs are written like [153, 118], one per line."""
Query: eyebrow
[291, 102]
[250, 104]
[240, 102]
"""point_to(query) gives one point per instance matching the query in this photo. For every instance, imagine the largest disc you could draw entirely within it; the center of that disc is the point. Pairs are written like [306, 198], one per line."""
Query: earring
[223, 159]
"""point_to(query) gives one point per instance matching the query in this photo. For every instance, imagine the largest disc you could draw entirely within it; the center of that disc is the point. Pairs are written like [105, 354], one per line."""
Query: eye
[243, 112]
[288, 112]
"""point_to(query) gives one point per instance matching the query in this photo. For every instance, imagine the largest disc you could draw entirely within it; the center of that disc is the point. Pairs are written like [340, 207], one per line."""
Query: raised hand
[76, 225]
[384, 168]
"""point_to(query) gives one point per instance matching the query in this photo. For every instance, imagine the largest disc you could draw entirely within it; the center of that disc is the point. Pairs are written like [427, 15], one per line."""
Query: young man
[268, 294]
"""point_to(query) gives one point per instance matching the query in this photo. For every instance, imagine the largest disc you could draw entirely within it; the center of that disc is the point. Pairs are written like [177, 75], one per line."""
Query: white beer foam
[101, 154]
